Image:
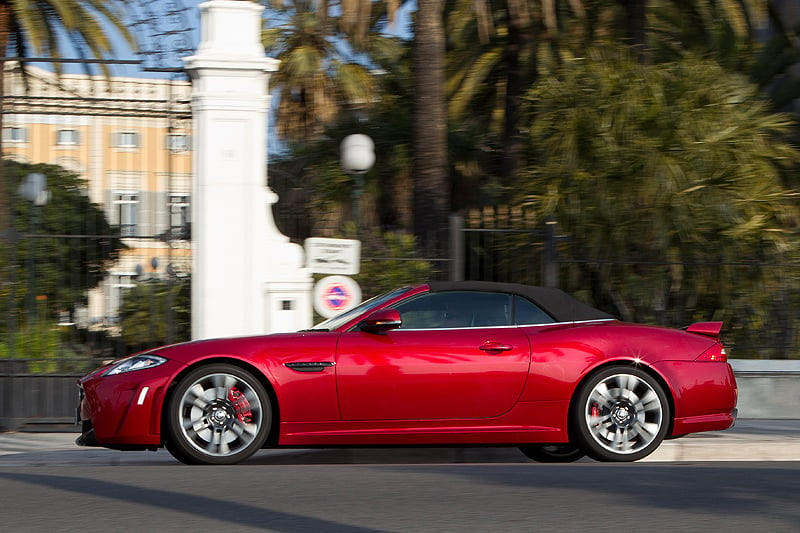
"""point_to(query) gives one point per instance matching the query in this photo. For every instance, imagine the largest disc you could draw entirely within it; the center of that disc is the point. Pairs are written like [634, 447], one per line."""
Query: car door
[455, 357]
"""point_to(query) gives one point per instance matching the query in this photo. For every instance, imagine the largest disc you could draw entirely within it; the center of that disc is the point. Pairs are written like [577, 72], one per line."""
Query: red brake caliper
[596, 412]
[240, 405]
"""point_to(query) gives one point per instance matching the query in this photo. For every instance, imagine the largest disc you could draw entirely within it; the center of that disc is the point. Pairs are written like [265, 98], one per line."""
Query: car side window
[527, 313]
[456, 309]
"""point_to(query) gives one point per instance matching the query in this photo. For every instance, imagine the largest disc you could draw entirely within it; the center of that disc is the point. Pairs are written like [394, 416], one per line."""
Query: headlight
[137, 362]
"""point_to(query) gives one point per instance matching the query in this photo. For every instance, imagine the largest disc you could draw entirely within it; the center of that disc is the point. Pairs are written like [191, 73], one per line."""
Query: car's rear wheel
[552, 453]
[621, 414]
[217, 414]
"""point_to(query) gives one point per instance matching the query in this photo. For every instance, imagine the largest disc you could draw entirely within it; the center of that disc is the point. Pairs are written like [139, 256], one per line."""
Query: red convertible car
[452, 363]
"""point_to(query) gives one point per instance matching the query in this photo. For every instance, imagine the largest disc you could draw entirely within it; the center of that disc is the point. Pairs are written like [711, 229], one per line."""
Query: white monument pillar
[247, 278]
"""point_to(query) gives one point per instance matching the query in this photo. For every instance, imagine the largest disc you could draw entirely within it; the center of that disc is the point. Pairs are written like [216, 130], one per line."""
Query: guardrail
[767, 389]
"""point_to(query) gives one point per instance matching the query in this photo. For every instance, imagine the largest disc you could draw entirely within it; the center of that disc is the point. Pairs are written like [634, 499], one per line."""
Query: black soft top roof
[558, 304]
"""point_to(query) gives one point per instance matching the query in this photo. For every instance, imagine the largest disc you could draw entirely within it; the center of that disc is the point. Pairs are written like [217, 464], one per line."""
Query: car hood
[275, 345]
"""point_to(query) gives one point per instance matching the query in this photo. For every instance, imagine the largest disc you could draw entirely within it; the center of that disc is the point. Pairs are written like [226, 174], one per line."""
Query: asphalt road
[692, 484]
[437, 497]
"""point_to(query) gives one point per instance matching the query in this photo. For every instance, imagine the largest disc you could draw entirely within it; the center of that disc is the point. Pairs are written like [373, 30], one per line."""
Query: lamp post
[34, 190]
[357, 152]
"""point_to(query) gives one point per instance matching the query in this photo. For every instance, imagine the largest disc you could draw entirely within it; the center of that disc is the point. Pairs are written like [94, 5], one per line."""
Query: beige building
[130, 139]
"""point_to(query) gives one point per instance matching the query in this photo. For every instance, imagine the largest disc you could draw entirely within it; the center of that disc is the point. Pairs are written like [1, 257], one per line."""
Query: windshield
[340, 320]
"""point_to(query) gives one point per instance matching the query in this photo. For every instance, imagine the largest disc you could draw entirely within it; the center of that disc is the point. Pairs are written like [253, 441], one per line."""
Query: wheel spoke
[600, 421]
[629, 386]
[212, 444]
[223, 448]
[648, 429]
[221, 384]
[649, 402]
[623, 440]
[244, 430]
[602, 396]
[196, 396]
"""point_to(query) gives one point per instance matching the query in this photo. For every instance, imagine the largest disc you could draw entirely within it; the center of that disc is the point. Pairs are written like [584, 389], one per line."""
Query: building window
[69, 137]
[126, 139]
[16, 134]
[179, 211]
[120, 285]
[178, 142]
[126, 206]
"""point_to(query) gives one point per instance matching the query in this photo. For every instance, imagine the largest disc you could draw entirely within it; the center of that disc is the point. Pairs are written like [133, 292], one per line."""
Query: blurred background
[639, 154]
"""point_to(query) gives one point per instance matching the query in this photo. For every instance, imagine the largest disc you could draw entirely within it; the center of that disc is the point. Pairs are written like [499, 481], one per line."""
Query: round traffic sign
[336, 294]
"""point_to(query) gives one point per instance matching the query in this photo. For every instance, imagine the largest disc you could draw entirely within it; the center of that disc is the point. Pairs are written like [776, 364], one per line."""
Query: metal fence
[110, 160]
[758, 302]
[50, 349]
[760, 309]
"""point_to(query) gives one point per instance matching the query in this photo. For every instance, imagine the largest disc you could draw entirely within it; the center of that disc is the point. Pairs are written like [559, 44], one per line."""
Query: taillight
[715, 354]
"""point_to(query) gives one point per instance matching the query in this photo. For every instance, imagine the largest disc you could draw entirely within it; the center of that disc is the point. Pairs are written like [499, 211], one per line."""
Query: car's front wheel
[217, 414]
[621, 414]
[552, 453]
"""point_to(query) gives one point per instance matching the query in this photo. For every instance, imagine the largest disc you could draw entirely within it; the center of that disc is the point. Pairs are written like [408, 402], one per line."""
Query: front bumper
[124, 411]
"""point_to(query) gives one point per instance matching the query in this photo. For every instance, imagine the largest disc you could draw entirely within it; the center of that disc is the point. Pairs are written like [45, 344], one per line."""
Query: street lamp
[34, 190]
[357, 153]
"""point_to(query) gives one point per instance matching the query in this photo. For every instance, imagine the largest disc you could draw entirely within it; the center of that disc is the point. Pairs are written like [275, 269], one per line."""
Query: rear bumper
[697, 424]
[706, 398]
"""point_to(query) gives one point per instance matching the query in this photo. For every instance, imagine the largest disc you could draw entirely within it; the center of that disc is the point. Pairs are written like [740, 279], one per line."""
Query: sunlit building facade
[130, 140]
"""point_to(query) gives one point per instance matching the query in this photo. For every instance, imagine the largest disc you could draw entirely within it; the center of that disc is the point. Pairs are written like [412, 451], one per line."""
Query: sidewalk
[749, 440]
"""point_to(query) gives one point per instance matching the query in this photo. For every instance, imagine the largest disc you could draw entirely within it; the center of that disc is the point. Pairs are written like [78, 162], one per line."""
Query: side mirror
[382, 320]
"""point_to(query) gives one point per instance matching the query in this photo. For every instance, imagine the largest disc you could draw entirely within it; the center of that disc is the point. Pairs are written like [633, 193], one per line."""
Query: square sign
[333, 256]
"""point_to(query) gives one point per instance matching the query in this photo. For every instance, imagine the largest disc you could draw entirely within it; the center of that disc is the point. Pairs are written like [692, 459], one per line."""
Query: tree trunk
[518, 78]
[4, 188]
[429, 160]
[636, 19]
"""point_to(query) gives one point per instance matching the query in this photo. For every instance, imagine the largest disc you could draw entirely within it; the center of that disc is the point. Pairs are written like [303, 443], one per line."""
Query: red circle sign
[336, 294]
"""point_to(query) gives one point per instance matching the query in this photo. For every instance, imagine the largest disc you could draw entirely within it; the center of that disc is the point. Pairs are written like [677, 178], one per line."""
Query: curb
[749, 440]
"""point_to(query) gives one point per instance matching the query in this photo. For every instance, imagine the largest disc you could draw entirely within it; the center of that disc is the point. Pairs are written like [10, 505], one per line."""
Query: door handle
[493, 346]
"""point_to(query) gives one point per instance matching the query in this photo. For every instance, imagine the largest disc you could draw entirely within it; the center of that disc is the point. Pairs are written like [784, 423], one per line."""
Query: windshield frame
[340, 320]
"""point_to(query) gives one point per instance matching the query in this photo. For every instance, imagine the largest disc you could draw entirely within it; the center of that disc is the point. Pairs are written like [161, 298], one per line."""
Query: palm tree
[320, 75]
[517, 41]
[726, 29]
[429, 138]
[51, 28]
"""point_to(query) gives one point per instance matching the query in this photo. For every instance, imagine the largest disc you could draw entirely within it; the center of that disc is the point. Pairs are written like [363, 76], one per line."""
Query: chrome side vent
[310, 366]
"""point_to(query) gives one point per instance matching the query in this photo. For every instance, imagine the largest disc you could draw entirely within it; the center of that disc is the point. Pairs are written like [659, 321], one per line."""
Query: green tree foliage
[391, 261]
[68, 241]
[667, 181]
[727, 30]
[33, 350]
[156, 312]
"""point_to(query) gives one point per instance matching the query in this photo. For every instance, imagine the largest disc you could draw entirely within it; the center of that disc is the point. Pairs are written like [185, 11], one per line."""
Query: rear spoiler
[709, 329]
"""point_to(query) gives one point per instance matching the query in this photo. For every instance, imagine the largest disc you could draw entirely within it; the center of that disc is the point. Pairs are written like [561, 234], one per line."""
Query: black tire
[620, 414]
[552, 453]
[217, 414]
